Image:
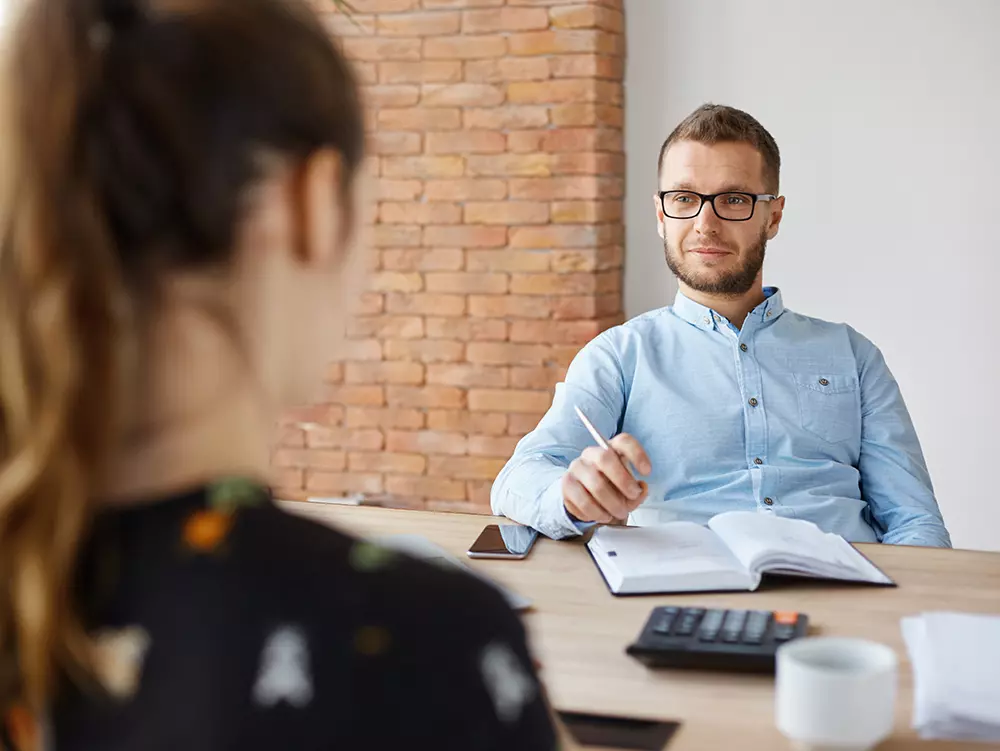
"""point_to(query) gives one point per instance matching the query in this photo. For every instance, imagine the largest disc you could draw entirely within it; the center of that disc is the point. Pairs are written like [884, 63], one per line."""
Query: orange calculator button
[786, 617]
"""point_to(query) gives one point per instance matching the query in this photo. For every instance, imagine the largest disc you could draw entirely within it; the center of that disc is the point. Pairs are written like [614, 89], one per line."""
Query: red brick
[334, 373]
[386, 417]
[589, 306]
[586, 212]
[467, 329]
[423, 259]
[473, 423]
[420, 118]
[554, 332]
[558, 91]
[588, 164]
[396, 281]
[313, 414]
[507, 260]
[561, 42]
[424, 350]
[394, 236]
[423, 166]
[426, 304]
[509, 306]
[290, 436]
[465, 374]
[471, 189]
[504, 118]
[560, 188]
[503, 353]
[384, 6]
[553, 284]
[461, 3]
[380, 50]
[427, 442]
[478, 493]
[575, 140]
[333, 461]
[429, 212]
[387, 327]
[500, 446]
[587, 17]
[587, 66]
[521, 425]
[426, 487]
[591, 259]
[366, 73]
[538, 377]
[588, 113]
[429, 397]
[361, 349]
[362, 396]
[553, 236]
[609, 281]
[288, 483]
[384, 372]
[370, 304]
[353, 25]
[506, 213]
[504, 19]
[508, 400]
[386, 462]
[460, 95]
[465, 283]
[465, 467]
[391, 96]
[345, 438]
[525, 141]
[465, 47]
[385, 189]
[425, 71]
[509, 164]
[465, 237]
[563, 355]
[343, 483]
[388, 143]
[419, 24]
[466, 142]
[507, 69]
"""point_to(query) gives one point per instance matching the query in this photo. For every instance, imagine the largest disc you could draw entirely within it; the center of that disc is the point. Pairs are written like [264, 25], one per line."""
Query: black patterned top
[225, 623]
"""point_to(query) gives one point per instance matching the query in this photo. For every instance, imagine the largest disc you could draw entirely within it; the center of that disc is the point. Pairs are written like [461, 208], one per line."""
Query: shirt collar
[706, 318]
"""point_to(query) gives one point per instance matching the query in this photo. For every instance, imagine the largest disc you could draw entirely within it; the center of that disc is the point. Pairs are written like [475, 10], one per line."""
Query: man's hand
[598, 486]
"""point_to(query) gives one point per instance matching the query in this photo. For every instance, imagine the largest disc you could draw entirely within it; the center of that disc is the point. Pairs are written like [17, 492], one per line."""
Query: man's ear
[660, 229]
[323, 212]
[777, 210]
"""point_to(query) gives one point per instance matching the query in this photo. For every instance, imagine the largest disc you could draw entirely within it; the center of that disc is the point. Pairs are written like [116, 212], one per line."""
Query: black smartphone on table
[618, 733]
[503, 541]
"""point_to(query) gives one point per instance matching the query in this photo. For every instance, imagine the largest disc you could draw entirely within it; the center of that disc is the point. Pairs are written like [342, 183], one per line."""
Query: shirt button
[758, 461]
[717, 318]
[823, 382]
[753, 402]
[743, 347]
[770, 313]
[769, 501]
[707, 319]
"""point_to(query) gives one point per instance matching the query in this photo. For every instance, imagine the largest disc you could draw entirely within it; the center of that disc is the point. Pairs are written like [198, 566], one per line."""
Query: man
[726, 400]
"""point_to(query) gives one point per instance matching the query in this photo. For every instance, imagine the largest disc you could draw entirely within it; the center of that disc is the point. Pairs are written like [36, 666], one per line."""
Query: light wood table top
[579, 630]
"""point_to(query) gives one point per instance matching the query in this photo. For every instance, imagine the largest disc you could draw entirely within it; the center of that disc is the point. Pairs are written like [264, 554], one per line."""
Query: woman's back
[254, 629]
[178, 193]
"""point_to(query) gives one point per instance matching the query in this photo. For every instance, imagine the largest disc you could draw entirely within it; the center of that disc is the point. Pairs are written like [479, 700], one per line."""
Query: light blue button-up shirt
[788, 415]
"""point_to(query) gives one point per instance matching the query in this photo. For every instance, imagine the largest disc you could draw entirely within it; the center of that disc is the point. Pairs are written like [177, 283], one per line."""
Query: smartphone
[606, 732]
[503, 541]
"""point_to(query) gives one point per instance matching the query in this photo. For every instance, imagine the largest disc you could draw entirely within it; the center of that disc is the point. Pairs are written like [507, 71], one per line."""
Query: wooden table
[579, 630]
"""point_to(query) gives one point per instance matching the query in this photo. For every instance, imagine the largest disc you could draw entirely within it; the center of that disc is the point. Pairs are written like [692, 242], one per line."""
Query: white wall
[887, 115]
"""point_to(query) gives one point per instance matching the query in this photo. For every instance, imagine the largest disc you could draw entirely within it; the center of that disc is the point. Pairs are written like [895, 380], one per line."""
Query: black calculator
[715, 638]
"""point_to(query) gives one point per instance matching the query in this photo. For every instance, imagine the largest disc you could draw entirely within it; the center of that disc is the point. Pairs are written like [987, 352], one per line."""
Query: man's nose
[707, 222]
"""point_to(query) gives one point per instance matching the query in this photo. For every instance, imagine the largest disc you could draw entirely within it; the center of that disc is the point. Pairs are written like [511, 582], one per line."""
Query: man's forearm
[529, 491]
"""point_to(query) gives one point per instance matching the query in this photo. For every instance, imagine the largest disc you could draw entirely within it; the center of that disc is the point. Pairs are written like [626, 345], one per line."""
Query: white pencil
[599, 439]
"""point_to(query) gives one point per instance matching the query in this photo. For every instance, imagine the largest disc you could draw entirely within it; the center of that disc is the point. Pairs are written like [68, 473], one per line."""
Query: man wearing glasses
[725, 400]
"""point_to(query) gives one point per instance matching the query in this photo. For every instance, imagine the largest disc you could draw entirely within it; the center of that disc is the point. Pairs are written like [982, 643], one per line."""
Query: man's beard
[730, 284]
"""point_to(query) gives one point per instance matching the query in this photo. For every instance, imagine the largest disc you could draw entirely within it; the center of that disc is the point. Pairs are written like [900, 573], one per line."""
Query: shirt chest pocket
[829, 404]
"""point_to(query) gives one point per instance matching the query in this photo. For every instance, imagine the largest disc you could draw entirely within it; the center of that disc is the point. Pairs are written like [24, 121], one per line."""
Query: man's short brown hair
[717, 123]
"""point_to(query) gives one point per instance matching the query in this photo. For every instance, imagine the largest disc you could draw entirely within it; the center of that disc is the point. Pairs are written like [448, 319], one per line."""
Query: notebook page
[676, 549]
[764, 541]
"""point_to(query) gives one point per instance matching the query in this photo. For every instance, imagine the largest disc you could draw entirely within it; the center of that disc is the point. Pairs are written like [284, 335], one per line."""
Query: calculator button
[757, 621]
[710, 625]
[753, 637]
[687, 624]
[732, 627]
[786, 617]
[665, 623]
[783, 633]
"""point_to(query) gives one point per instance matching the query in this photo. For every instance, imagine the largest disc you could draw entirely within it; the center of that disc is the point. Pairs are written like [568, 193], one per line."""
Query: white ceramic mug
[835, 693]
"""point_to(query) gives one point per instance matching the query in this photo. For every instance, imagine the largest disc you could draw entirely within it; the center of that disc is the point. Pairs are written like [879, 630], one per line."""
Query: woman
[179, 196]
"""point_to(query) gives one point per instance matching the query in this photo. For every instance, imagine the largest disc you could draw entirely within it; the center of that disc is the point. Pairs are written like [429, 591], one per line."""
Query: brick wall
[496, 142]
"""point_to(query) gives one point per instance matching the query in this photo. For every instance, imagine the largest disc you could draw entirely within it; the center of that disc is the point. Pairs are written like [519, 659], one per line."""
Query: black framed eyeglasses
[733, 206]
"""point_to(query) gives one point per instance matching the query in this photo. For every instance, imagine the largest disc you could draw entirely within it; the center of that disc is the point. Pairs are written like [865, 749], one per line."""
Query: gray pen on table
[599, 439]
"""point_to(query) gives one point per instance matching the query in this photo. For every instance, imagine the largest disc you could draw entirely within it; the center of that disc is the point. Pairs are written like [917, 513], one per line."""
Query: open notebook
[732, 553]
